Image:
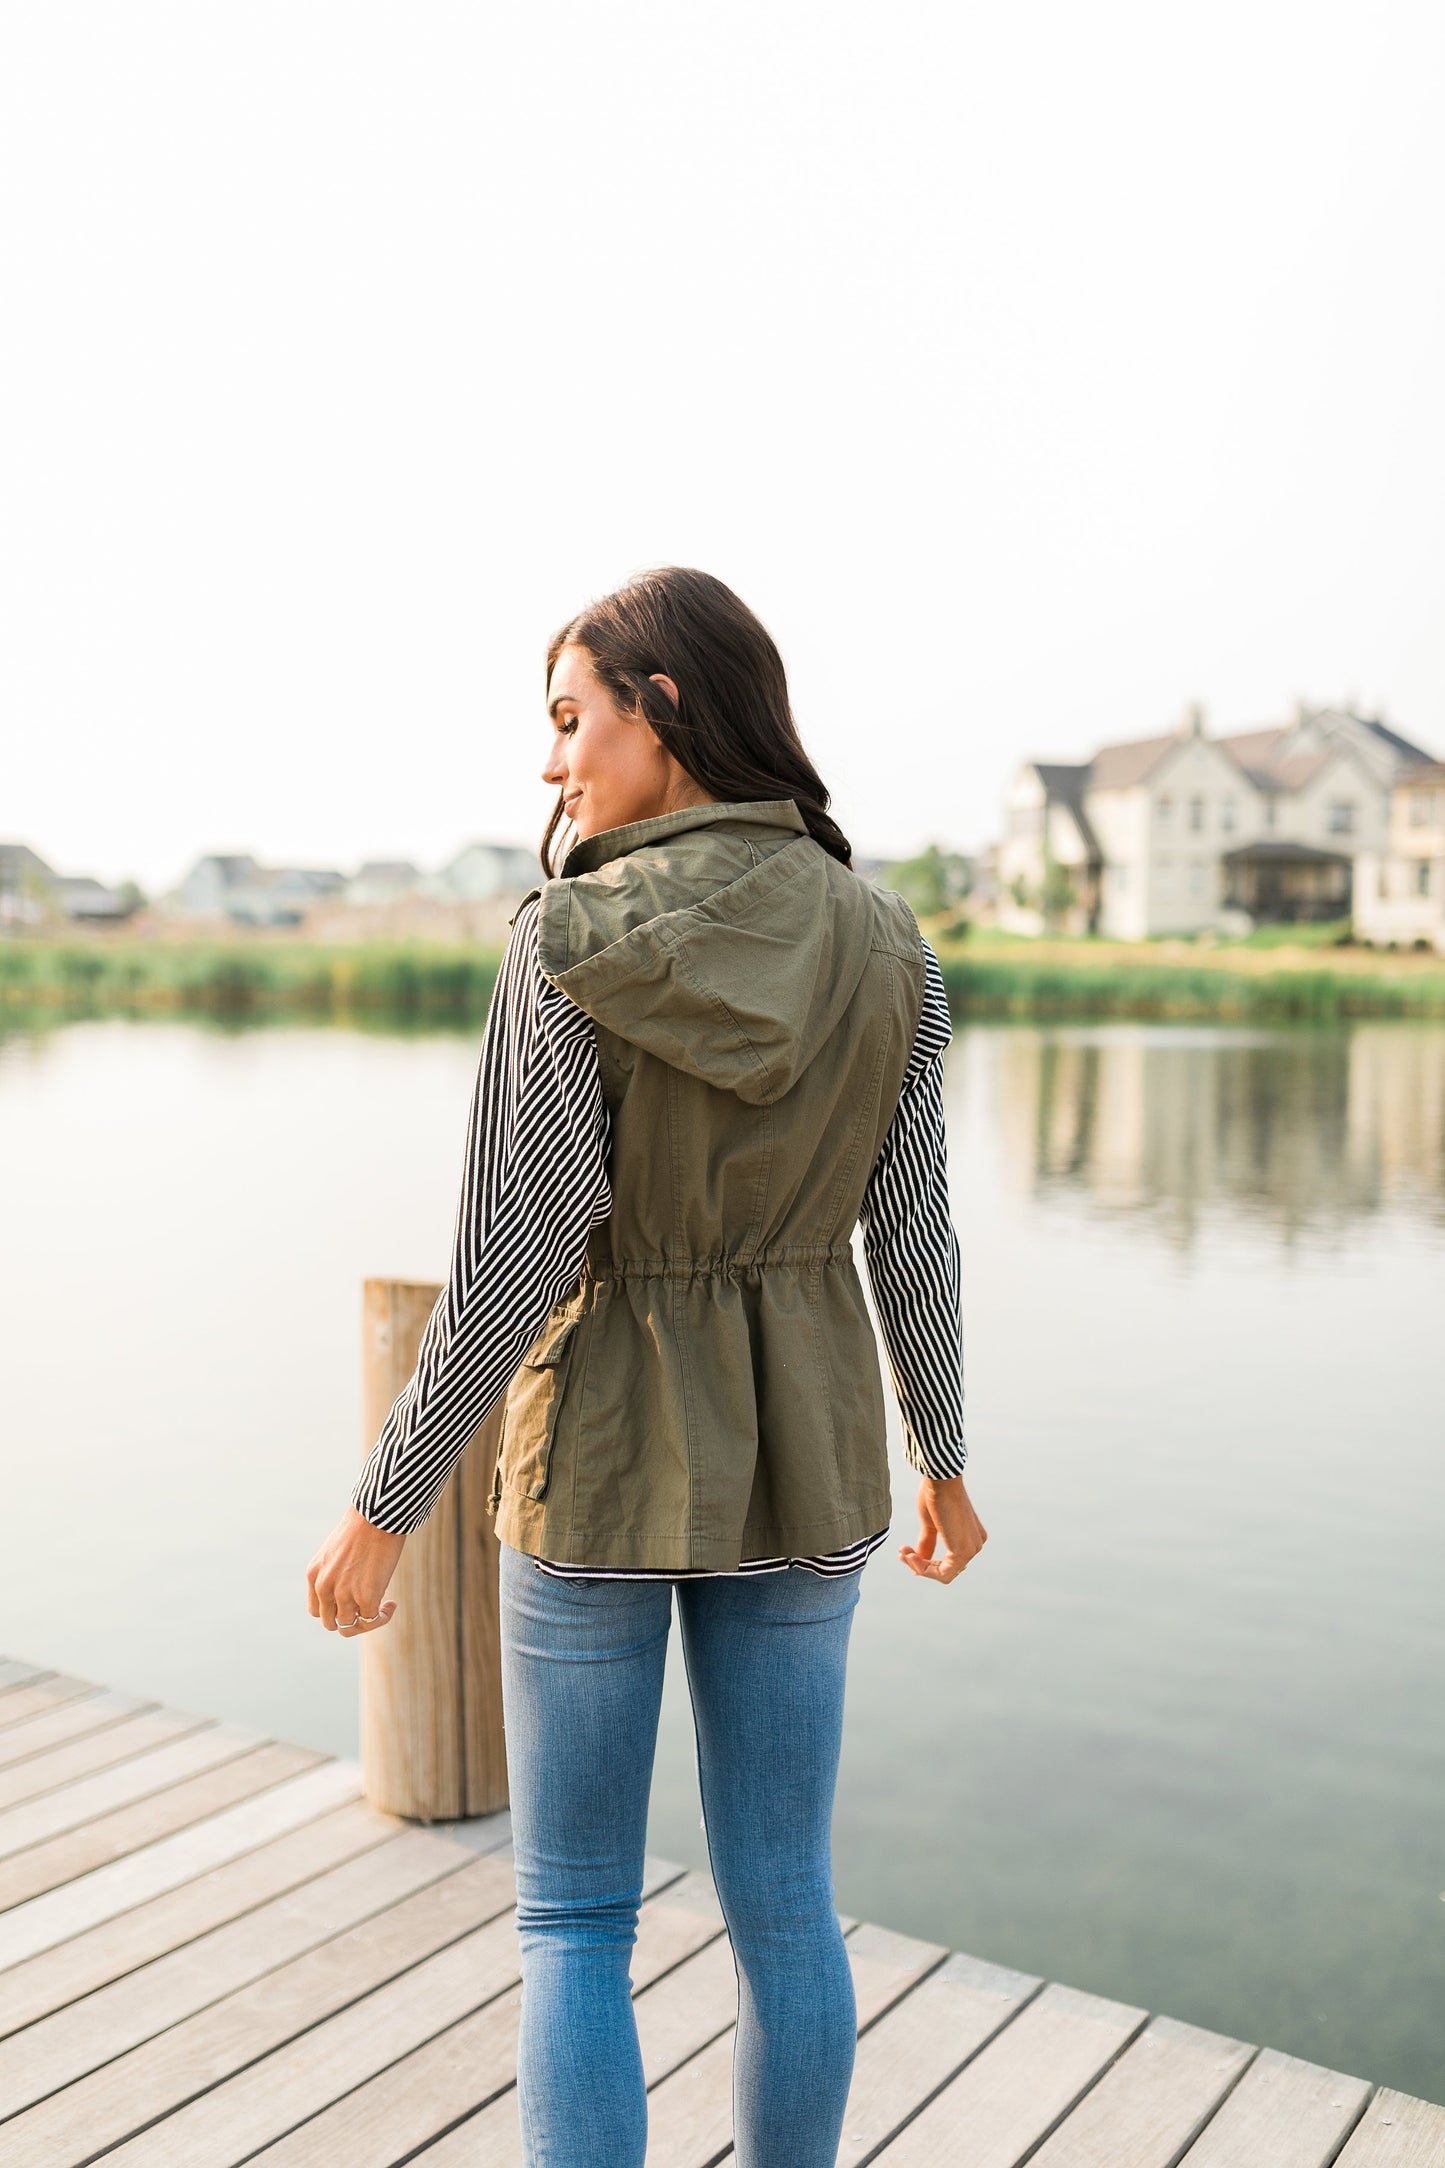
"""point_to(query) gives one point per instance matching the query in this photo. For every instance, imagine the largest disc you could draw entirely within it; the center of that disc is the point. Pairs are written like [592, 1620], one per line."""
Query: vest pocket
[530, 1422]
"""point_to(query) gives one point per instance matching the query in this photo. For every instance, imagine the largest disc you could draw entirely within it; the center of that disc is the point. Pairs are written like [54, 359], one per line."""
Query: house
[204, 890]
[81, 896]
[1183, 832]
[32, 892]
[383, 880]
[235, 887]
[27, 886]
[483, 870]
[1400, 887]
[1046, 827]
[1324, 785]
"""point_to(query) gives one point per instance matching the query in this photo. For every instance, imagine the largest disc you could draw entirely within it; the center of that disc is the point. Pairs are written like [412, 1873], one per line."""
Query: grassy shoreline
[412, 983]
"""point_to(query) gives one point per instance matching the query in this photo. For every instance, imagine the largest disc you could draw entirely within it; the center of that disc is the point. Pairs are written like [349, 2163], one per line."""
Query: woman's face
[609, 765]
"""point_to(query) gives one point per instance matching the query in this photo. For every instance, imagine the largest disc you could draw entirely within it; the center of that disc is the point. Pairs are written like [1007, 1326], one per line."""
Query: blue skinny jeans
[582, 1667]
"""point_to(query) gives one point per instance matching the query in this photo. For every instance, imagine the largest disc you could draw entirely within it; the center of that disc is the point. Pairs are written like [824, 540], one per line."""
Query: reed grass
[406, 984]
[1005, 987]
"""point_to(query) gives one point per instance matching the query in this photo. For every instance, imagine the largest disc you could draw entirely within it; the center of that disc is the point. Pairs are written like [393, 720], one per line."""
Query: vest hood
[721, 938]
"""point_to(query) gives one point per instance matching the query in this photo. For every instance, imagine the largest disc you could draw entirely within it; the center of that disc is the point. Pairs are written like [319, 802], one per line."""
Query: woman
[712, 1051]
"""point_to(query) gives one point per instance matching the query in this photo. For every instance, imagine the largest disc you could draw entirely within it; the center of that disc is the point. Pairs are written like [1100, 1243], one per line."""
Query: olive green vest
[712, 1391]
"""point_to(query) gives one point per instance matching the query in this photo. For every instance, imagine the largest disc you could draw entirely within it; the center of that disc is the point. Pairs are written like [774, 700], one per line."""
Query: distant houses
[381, 881]
[1183, 832]
[484, 870]
[33, 894]
[237, 888]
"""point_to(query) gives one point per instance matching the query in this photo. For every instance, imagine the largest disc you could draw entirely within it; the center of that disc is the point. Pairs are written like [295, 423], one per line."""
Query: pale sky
[1032, 370]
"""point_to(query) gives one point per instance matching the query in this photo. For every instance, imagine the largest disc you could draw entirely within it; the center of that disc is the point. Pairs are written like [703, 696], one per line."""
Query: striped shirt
[535, 1181]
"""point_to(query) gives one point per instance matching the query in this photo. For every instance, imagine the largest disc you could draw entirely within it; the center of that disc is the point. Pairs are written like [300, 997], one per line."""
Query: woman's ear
[668, 687]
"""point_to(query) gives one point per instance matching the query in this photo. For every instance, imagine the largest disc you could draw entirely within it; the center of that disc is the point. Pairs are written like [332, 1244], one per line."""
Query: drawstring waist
[720, 1264]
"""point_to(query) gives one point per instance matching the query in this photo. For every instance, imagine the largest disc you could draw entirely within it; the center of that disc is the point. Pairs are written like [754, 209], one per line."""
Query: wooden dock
[213, 1949]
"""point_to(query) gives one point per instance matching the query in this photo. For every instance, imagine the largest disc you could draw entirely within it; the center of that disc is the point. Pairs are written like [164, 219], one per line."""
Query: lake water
[1177, 1736]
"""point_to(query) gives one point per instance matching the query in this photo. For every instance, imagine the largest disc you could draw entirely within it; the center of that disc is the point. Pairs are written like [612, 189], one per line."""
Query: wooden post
[431, 1683]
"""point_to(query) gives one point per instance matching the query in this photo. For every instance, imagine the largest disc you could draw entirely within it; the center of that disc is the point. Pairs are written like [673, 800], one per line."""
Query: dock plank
[237, 1957]
[1290, 2113]
[64, 1720]
[206, 1969]
[16, 1671]
[272, 2098]
[92, 1752]
[1151, 2104]
[274, 2049]
[686, 2008]
[1012, 2092]
[1397, 2132]
[922, 2041]
[445, 2081]
[690, 2107]
[49, 1690]
[418, 2099]
[86, 1799]
[101, 1892]
[45, 1866]
[42, 1985]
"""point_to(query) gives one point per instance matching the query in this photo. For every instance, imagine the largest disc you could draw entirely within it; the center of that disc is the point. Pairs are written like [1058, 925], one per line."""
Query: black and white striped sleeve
[912, 1253]
[535, 1180]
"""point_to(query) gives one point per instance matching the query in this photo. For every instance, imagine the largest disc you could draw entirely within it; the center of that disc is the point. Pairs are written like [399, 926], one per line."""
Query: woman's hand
[944, 1510]
[347, 1577]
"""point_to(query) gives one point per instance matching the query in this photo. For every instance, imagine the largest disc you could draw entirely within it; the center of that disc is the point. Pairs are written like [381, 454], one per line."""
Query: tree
[1058, 891]
[933, 882]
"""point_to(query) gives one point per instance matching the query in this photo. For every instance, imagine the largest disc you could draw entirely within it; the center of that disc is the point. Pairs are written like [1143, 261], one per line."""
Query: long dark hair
[733, 728]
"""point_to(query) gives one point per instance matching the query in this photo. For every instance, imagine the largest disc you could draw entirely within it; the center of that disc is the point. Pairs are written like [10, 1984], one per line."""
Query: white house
[383, 880]
[482, 870]
[1184, 832]
[27, 885]
[1400, 886]
[237, 888]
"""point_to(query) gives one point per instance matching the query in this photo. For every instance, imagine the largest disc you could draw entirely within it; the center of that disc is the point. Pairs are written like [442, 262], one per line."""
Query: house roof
[1404, 746]
[1259, 752]
[1120, 767]
[1255, 752]
[19, 858]
[1062, 778]
[1294, 774]
[1065, 782]
[1427, 771]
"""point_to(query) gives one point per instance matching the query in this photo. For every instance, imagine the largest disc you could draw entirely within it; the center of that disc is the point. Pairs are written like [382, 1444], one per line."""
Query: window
[1196, 878]
[1424, 808]
[1271, 811]
[1382, 880]
[1422, 878]
[1342, 817]
[1164, 806]
[1196, 815]
[1226, 815]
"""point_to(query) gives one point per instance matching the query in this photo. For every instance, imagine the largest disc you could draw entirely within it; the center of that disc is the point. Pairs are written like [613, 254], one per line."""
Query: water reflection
[1307, 1131]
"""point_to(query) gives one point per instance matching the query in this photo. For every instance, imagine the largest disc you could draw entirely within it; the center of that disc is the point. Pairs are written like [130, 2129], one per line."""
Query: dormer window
[1196, 815]
[1226, 815]
[1341, 818]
